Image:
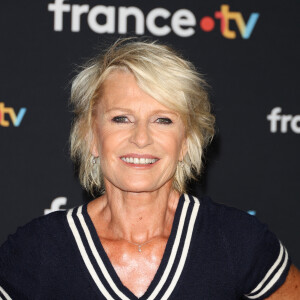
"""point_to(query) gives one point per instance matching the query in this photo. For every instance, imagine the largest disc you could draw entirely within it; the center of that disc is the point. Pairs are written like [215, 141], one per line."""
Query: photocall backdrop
[248, 52]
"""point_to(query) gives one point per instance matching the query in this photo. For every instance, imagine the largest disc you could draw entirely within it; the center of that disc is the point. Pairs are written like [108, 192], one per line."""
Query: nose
[141, 135]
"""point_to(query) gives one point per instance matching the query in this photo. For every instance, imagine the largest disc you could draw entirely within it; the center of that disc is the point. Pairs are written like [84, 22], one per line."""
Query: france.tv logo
[225, 16]
[182, 22]
[8, 116]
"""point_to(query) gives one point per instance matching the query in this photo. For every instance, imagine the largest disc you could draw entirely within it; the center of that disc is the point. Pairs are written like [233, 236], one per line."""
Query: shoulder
[29, 238]
[38, 227]
[258, 260]
[223, 213]
[233, 224]
[33, 252]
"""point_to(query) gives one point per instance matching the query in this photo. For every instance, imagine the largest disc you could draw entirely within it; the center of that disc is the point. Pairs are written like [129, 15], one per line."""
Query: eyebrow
[130, 111]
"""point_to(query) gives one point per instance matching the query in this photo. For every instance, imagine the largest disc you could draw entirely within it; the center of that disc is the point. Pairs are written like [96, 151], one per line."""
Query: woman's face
[139, 141]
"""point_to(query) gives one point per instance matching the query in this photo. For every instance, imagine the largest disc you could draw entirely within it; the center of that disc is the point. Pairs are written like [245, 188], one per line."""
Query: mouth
[141, 160]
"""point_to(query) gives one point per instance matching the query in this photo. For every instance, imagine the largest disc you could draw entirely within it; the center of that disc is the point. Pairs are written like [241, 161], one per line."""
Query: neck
[139, 217]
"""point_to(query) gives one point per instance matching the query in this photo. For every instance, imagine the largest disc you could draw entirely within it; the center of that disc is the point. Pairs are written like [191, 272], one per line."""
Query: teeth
[139, 161]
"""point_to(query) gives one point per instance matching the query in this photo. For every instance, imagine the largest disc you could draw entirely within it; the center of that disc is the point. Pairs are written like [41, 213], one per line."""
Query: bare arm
[290, 290]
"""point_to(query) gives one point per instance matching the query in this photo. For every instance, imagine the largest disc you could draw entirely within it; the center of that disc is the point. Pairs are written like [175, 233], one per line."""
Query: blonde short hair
[164, 75]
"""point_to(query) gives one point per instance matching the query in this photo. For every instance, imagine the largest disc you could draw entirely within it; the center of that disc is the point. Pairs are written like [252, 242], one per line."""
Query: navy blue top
[213, 252]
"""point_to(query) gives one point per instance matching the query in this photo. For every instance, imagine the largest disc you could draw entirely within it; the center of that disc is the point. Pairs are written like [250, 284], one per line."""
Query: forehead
[120, 90]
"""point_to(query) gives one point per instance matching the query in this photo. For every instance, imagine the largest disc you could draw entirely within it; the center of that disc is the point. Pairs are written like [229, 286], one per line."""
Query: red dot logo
[207, 24]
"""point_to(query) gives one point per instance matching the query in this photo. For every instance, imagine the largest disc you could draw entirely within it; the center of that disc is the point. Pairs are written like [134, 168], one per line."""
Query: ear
[94, 150]
[184, 149]
[94, 144]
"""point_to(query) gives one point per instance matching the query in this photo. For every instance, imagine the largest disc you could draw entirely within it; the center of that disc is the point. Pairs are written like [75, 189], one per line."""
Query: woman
[142, 120]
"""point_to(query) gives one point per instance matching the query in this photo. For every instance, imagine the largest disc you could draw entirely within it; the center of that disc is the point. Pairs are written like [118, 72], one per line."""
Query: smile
[139, 161]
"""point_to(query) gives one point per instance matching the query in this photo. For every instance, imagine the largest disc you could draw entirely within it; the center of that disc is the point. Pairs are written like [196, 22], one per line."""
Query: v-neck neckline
[101, 269]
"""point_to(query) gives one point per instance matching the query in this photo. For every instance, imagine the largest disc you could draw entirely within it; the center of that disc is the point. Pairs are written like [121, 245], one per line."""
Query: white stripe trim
[274, 279]
[173, 252]
[97, 256]
[185, 250]
[4, 293]
[85, 256]
[275, 265]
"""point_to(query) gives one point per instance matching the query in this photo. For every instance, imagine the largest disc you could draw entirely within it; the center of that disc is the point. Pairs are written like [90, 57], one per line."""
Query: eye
[164, 121]
[120, 119]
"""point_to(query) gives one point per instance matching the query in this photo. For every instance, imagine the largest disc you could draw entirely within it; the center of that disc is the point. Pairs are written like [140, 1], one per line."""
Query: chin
[139, 188]
[138, 185]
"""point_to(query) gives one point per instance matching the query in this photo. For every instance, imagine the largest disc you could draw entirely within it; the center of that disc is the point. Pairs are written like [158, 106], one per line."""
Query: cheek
[110, 141]
[172, 145]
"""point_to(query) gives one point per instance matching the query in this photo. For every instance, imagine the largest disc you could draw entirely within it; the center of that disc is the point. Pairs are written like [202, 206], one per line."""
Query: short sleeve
[260, 260]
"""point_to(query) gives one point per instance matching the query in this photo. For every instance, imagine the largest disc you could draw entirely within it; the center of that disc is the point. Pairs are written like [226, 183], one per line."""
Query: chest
[116, 270]
[136, 269]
